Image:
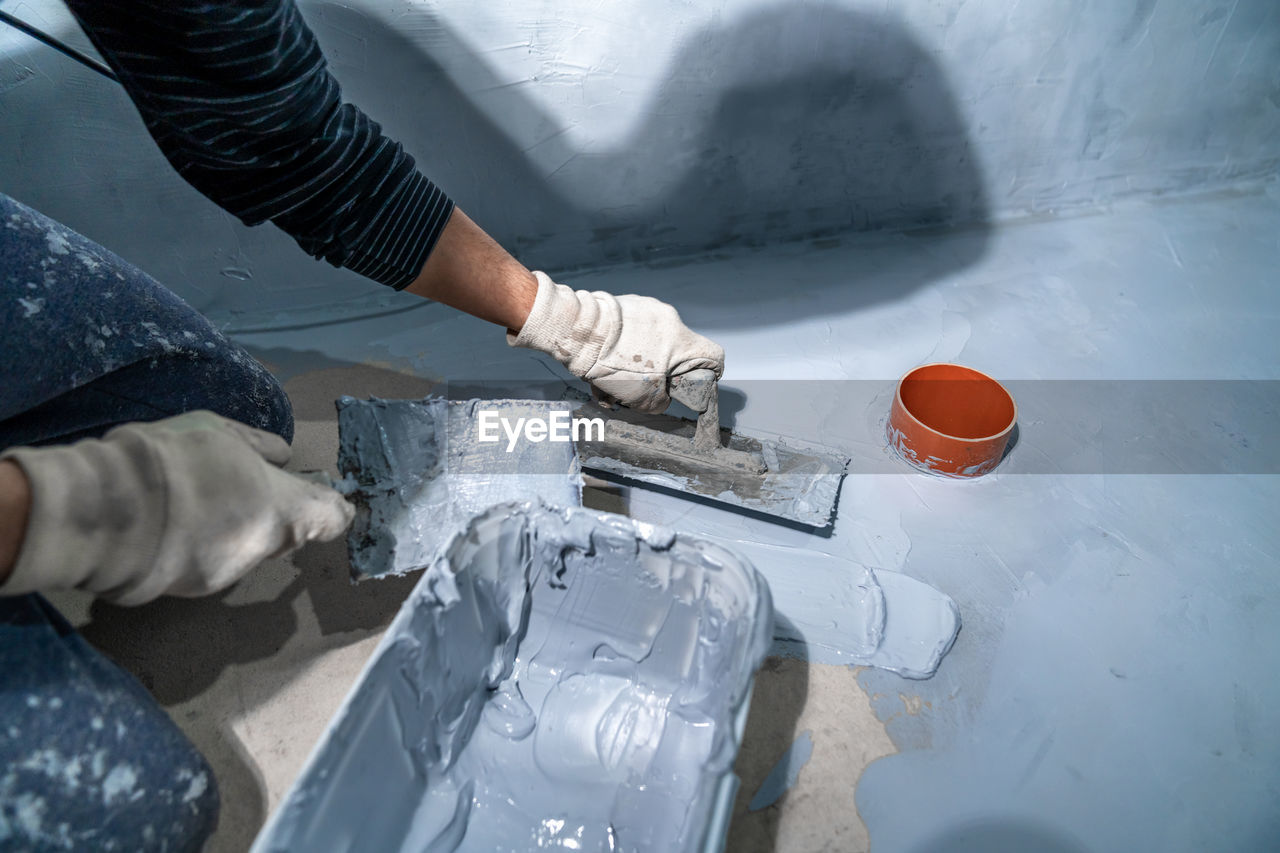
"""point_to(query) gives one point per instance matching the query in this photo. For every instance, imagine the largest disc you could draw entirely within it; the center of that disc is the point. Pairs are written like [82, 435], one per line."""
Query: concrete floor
[1109, 688]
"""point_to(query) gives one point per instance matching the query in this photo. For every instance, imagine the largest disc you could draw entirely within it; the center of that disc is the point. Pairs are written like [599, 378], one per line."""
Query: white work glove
[183, 506]
[628, 347]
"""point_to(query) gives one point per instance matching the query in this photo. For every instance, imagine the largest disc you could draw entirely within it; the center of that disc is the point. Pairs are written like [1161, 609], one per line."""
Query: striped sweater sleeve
[239, 98]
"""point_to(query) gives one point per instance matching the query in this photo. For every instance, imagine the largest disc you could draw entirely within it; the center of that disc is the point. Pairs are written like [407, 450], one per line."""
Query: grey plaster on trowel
[558, 679]
[796, 481]
[418, 473]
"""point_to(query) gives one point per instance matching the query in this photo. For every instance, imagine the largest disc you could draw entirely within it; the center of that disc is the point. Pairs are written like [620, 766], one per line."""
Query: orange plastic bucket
[952, 420]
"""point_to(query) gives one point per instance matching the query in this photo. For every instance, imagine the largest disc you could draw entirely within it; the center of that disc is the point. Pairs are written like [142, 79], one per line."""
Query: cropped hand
[183, 506]
[628, 347]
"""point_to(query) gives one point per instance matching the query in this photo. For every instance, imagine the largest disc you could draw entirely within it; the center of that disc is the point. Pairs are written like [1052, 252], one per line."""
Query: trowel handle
[696, 389]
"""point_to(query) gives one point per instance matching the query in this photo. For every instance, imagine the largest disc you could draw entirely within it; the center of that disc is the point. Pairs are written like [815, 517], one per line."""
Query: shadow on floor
[1002, 835]
[213, 633]
[781, 690]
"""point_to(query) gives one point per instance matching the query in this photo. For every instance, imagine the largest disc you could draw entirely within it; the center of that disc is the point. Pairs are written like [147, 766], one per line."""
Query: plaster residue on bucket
[898, 445]
[886, 449]
[559, 679]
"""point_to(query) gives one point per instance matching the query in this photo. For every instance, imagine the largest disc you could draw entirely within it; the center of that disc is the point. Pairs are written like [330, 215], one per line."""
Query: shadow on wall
[792, 122]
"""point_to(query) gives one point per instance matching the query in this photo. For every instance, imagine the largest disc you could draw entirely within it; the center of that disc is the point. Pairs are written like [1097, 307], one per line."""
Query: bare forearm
[469, 271]
[15, 506]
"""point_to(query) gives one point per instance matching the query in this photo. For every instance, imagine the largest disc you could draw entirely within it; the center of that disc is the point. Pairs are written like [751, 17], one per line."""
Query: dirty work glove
[628, 347]
[183, 506]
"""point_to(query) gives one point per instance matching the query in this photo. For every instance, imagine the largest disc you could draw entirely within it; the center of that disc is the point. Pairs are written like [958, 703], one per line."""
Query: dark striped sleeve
[238, 97]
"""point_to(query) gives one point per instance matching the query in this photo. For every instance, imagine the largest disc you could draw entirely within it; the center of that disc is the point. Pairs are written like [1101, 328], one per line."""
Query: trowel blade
[799, 481]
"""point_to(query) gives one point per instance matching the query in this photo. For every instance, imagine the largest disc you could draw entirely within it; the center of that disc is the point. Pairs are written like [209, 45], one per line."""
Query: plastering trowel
[784, 479]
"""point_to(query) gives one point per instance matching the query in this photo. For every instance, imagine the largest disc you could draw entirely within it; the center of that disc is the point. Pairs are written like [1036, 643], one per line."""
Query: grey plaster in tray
[418, 473]
[557, 679]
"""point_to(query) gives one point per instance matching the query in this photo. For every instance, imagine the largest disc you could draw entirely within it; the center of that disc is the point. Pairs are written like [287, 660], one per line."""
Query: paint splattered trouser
[87, 758]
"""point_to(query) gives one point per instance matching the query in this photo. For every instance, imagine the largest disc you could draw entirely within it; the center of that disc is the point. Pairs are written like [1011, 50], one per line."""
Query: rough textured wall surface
[582, 133]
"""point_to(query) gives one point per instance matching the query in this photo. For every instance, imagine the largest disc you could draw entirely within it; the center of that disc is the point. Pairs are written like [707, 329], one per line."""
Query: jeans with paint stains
[91, 341]
[88, 760]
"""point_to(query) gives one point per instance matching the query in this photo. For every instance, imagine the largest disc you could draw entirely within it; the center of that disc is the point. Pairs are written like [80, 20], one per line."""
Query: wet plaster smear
[559, 679]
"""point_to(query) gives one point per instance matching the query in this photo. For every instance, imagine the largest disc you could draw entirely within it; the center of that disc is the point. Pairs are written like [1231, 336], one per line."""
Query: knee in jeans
[249, 393]
[275, 412]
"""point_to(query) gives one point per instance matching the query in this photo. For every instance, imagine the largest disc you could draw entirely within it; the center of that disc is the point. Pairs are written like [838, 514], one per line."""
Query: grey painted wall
[582, 133]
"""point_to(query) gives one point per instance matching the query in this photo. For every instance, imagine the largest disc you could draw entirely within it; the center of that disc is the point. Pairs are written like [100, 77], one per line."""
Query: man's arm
[15, 506]
[469, 271]
[238, 97]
